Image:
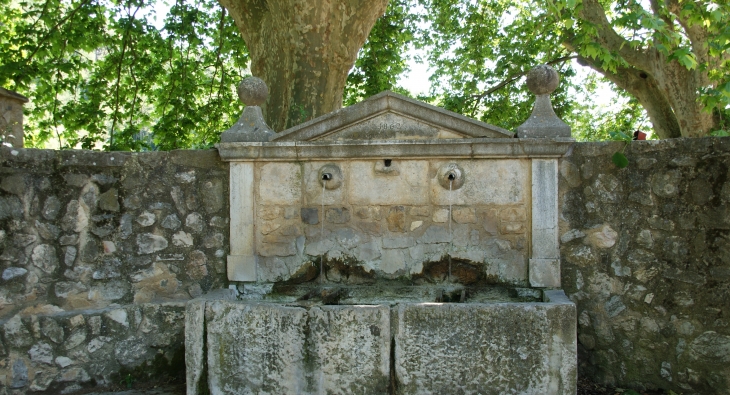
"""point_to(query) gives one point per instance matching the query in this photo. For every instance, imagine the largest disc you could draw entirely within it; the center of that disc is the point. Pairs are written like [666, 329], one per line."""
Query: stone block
[486, 182]
[464, 215]
[545, 209]
[338, 215]
[313, 193]
[527, 348]
[280, 183]
[241, 267]
[409, 187]
[310, 215]
[396, 219]
[194, 345]
[350, 349]
[212, 193]
[545, 273]
[255, 348]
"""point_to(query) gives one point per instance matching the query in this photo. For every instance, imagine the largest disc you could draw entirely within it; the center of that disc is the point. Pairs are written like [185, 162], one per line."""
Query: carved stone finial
[543, 123]
[251, 126]
[253, 91]
[542, 80]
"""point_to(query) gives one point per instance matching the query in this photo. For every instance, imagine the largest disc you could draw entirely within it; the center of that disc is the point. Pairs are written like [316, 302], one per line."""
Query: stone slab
[408, 187]
[313, 194]
[404, 149]
[242, 208]
[545, 209]
[485, 182]
[545, 273]
[522, 348]
[272, 348]
[194, 344]
[350, 349]
[280, 183]
[255, 348]
[241, 267]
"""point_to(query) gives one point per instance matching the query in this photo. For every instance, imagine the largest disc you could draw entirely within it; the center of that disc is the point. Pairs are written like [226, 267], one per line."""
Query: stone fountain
[390, 247]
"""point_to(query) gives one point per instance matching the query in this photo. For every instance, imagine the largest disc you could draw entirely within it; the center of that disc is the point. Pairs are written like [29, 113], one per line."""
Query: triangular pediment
[390, 116]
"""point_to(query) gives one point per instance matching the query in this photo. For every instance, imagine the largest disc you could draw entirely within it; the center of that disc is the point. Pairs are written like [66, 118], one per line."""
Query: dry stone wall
[98, 253]
[646, 258]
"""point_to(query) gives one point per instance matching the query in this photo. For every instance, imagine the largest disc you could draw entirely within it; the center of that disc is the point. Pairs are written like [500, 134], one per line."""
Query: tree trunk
[303, 50]
[644, 88]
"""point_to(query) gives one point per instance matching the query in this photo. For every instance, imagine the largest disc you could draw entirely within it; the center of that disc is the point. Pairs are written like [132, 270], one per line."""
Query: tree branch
[646, 90]
[594, 13]
[517, 76]
[54, 28]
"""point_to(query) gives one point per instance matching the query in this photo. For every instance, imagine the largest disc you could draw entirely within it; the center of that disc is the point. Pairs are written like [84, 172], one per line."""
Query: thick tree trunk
[664, 87]
[645, 89]
[303, 50]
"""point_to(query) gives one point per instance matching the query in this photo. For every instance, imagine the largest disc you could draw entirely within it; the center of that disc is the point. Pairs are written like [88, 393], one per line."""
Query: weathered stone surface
[197, 266]
[601, 236]
[464, 215]
[13, 272]
[41, 353]
[51, 208]
[264, 354]
[146, 219]
[195, 222]
[44, 257]
[436, 234]
[182, 239]
[280, 183]
[525, 348]
[132, 352]
[350, 346]
[409, 187]
[396, 219]
[212, 194]
[20, 374]
[487, 182]
[109, 200]
[51, 329]
[655, 279]
[171, 222]
[338, 215]
[16, 334]
[711, 346]
[310, 216]
[148, 243]
[195, 358]
[666, 184]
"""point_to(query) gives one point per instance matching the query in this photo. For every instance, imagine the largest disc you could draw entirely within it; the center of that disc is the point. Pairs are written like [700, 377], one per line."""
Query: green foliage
[382, 59]
[128, 380]
[101, 75]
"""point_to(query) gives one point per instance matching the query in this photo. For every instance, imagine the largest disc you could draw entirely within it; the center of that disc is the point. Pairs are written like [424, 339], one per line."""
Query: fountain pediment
[390, 116]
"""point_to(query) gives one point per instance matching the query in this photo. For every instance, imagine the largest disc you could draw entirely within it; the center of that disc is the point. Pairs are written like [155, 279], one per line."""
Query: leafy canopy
[103, 74]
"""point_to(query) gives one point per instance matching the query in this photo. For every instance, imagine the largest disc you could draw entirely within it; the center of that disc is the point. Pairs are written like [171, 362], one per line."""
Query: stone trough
[390, 247]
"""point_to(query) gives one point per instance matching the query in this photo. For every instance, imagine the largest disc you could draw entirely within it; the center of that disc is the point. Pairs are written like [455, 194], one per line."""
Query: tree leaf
[620, 160]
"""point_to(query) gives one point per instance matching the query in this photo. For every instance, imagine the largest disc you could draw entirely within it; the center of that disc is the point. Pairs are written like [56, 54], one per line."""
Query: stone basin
[398, 347]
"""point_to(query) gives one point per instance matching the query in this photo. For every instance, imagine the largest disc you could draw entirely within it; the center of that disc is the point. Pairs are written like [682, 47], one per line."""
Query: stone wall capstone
[646, 258]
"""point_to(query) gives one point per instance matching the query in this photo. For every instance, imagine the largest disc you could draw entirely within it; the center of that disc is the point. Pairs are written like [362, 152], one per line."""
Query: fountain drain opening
[326, 177]
[387, 162]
